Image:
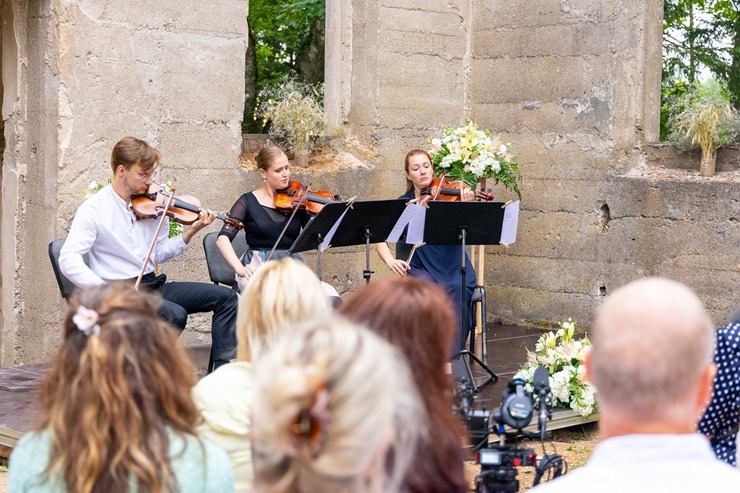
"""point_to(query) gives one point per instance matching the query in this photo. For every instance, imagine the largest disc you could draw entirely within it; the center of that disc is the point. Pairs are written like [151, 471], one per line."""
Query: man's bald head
[652, 341]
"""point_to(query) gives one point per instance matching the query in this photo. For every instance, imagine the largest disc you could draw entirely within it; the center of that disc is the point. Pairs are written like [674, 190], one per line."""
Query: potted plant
[704, 118]
[294, 111]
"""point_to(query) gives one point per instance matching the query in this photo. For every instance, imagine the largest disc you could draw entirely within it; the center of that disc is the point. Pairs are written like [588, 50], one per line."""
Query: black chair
[219, 270]
[66, 287]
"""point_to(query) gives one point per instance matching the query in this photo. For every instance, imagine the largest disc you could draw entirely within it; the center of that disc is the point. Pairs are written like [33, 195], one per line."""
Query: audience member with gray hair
[338, 412]
[651, 364]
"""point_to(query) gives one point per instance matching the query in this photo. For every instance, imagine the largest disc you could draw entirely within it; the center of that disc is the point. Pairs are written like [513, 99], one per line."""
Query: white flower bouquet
[563, 358]
[469, 154]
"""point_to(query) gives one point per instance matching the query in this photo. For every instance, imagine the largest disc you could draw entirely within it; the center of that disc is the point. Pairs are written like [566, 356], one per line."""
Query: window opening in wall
[701, 57]
[286, 40]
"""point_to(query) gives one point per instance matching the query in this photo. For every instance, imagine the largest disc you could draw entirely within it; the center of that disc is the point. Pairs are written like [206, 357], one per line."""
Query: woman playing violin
[437, 263]
[263, 222]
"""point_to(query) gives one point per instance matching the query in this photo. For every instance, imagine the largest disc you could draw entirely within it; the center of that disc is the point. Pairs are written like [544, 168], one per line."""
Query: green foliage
[281, 31]
[672, 93]
[699, 36]
[702, 117]
[294, 110]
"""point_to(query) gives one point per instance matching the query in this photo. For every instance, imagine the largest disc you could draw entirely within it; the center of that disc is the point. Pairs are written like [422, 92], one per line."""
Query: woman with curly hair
[416, 316]
[117, 412]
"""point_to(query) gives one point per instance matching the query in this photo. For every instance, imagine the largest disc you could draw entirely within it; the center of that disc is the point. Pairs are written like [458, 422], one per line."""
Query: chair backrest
[219, 270]
[66, 287]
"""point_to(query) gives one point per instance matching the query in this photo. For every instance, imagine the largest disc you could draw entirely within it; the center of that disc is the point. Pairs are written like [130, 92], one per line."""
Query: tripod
[463, 223]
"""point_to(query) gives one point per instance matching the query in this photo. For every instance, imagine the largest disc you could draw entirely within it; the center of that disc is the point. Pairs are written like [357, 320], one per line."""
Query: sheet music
[511, 220]
[327, 240]
[411, 216]
[415, 233]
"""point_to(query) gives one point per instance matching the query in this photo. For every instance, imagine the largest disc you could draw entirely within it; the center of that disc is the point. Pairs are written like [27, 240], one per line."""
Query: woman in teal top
[117, 412]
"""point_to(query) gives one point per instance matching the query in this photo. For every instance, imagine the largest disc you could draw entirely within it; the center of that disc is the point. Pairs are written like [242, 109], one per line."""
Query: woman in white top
[279, 295]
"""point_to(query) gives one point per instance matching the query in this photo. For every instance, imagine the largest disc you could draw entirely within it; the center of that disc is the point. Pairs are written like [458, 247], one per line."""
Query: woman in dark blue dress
[439, 264]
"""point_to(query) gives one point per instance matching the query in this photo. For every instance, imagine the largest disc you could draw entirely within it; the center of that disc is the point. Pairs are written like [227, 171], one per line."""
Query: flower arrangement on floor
[94, 187]
[562, 355]
[469, 154]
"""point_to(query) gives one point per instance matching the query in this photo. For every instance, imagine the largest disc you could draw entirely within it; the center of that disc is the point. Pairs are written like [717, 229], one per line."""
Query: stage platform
[19, 386]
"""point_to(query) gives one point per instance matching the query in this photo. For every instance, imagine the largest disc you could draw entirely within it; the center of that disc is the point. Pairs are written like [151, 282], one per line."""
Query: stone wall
[89, 72]
[574, 87]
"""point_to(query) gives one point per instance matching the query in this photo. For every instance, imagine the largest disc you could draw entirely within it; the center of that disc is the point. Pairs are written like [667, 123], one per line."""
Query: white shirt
[649, 463]
[106, 227]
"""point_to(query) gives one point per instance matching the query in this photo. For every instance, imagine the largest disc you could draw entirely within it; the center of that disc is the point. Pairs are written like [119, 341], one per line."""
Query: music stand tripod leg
[367, 272]
[466, 355]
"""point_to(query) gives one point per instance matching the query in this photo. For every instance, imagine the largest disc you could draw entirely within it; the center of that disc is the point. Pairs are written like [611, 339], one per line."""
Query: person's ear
[706, 384]
[588, 375]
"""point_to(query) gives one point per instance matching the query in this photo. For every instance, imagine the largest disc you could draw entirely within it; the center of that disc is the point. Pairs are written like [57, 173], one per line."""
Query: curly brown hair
[111, 398]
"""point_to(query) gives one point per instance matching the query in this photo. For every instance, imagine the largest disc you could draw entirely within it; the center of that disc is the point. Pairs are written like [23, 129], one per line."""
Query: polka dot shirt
[722, 416]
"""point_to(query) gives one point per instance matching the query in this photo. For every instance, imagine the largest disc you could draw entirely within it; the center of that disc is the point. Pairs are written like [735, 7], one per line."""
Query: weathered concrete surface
[574, 86]
[83, 75]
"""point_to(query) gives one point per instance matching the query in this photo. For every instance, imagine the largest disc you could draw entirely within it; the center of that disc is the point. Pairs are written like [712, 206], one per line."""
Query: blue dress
[722, 416]
[440, 264]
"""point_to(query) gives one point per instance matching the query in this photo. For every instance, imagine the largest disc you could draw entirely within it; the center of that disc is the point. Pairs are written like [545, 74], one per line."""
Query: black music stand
[367, 222]
[465, 223]
[316, 230]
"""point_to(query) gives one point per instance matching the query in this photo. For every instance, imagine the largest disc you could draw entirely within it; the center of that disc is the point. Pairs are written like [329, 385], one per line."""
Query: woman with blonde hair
[338, 412]
[280, 294]
[117, 414]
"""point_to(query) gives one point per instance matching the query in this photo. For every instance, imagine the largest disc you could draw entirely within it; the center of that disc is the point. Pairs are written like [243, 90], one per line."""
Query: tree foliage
[286, 34]
[700, 37]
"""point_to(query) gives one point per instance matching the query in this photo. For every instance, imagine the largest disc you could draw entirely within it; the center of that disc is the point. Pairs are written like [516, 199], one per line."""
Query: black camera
[499, 463]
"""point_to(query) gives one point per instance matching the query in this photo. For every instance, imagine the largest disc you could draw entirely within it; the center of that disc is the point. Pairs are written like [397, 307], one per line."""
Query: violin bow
[154, 240]
[297, 206]
[480, 278]
[413, 250]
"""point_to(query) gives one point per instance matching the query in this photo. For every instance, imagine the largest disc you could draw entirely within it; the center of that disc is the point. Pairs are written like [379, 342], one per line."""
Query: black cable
[550, 467]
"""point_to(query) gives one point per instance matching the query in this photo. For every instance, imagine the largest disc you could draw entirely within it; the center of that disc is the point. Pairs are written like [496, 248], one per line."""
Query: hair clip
[86, 321]
[311, 423]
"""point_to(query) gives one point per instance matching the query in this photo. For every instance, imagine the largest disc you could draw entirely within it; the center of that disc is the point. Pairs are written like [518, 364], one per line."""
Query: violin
[297, 194]
[184, 209]
[449, 191]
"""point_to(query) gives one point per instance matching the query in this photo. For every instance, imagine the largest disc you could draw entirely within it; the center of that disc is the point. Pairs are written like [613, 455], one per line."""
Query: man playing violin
[439, 264]
[106, 228]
